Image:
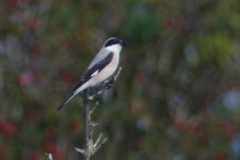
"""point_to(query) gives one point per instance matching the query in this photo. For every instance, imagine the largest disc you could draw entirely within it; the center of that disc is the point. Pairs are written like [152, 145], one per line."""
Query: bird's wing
[95, 69]
[67, 100]
[103, 53]
[91, 72]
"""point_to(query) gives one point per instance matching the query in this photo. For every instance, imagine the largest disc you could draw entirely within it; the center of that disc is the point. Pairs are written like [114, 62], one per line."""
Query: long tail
[75, 92]
[66, 101]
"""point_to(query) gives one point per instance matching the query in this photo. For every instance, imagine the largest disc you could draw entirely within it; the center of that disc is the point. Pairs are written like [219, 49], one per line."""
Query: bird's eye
[111, 42]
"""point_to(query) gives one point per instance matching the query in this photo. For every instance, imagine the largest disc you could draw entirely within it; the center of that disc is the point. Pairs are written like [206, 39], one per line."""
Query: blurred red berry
[226, 129]
[35, 24]
[67, 43]
[138, 142]
[68, 78]
[179, 126]
[165, 4]
[73, 124]
[9, 129]
[37, 46]
[50, 131]
[82, 30]
[230, 130]
[57, 153]
[35, 155]
[1, 124]
[195, 130]
[32, 115]
[168, 23]
[26, 78]
[13, 3]
[179, 24]
[2, 151]
[34, 72]
[202, 102]
[220, 156]
[139, 78]
[32, 0]
[47, 145]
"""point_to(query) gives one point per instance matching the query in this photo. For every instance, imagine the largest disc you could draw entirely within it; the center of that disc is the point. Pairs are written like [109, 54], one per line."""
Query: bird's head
[114, 43]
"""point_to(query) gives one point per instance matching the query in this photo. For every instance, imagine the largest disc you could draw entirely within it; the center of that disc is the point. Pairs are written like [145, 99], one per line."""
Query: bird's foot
[110, 84]
[98, 93]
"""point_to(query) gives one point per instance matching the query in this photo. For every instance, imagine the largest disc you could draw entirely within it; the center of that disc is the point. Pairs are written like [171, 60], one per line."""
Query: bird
[103, 66]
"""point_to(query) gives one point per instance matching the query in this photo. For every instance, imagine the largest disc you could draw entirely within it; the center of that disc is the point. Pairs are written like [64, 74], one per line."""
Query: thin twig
[91, 126]
[86, 122]
[99, 146]
[97, 141]
[89, 148]
[97, 104]
[49, 156]
[116, 76]
[80, 150]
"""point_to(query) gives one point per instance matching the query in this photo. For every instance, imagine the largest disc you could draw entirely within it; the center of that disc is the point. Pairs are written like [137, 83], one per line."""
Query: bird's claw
[110, 84]
[97, 94]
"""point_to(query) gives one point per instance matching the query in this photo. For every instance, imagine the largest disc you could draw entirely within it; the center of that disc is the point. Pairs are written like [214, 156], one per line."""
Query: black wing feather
[68, 99]
[97, 67]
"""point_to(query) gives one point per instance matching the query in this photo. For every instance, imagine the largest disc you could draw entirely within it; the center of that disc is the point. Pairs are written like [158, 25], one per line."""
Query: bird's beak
[122, 43]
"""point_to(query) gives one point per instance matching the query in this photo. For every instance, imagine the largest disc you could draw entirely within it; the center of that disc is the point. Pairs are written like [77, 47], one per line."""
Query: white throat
[115, 48]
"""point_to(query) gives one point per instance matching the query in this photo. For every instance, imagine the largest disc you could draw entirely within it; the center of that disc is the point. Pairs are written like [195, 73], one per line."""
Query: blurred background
[177, 97]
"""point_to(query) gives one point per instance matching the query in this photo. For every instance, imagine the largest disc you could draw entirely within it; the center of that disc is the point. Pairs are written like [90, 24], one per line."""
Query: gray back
[100, 56]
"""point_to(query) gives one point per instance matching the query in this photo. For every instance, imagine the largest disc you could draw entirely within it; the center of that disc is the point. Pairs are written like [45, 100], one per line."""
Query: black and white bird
[101, 68]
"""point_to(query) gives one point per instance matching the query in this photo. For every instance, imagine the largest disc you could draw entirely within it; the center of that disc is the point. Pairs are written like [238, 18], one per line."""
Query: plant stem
[86, 122]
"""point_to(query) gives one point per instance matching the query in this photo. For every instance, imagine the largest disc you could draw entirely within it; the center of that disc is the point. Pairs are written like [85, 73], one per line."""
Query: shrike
[101, 68]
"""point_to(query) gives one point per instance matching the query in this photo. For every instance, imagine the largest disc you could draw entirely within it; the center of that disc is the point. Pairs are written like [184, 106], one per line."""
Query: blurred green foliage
[178, 95]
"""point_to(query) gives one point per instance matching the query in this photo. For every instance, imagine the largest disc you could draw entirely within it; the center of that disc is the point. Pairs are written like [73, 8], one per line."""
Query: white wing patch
[96, 72]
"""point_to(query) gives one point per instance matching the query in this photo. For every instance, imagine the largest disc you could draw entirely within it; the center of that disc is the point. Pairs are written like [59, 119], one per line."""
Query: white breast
[115, 48]
[106, 72]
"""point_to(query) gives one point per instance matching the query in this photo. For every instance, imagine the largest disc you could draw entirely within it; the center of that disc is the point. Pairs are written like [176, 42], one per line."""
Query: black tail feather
[66, 101]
